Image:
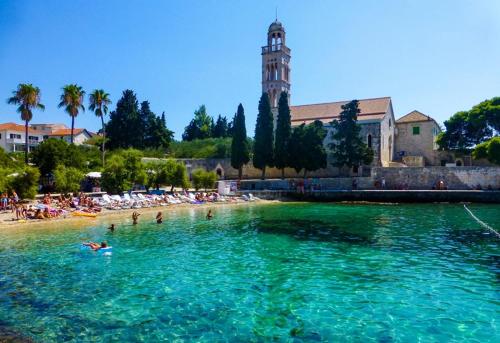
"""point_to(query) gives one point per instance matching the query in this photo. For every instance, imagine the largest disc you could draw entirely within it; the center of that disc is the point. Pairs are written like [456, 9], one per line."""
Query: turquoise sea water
[284, 272]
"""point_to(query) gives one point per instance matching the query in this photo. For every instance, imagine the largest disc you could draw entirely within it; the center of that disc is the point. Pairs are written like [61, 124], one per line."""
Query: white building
[79, 135]
[12, 137]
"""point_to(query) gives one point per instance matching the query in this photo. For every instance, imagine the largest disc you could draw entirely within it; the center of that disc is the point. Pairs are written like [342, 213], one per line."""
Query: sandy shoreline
[109, 215]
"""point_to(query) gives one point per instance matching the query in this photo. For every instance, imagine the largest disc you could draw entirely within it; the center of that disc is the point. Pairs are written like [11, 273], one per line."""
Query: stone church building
[378, 126]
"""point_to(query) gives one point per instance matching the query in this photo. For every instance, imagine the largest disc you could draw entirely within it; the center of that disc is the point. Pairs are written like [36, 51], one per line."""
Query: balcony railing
[275, 47]
[21, 141]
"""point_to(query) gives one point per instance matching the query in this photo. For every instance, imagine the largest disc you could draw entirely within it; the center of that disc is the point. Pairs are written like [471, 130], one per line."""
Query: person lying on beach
[96, 246]
[112, 228]
[209, 215]
[159, 218]
[39, 214]
[135, 217]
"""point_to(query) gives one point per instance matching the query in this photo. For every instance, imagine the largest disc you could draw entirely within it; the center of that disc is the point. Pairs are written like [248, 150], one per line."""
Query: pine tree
[220, 128]
[348, 148]
[264, 136]
[240, 151]
[200, 127]
[283, 133]
[124, 125]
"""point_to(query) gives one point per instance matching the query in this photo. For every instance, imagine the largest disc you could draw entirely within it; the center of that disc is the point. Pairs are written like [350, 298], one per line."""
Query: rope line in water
[481, 222]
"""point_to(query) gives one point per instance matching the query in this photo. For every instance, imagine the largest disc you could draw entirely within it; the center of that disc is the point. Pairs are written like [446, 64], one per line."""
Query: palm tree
[99, 101]
[72, 101]
[27, 97]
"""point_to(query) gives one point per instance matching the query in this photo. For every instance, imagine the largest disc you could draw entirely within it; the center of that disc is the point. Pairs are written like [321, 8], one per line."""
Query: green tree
[124, 126]
[52, 152]
[124, 170]
[197, 176]
[283, 133]
[264, 136]
[315, 153]
[203, 179]
[489, 150]
[24, 182]
[72, 101]
[99, 101]
[220, 127]
[9, 160]
[200, 126]
[180, 177]
[202, 148]
[348, 149]
[154, 131]
[68, 179]
[297, 148]
[115, 175]
[465, 129]
[240, 151]
[167, 172]
[27, 97]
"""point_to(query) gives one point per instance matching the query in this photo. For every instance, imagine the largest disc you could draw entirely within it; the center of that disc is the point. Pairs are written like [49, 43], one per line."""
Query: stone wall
[412, 178]
[427, 177]
[395, 177]
[222, 166]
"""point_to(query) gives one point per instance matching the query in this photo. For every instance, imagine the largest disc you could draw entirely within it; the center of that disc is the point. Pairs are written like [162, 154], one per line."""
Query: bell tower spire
[275, 63]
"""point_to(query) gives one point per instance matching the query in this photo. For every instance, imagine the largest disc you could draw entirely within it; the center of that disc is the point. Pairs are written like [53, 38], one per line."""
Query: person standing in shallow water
[135, 217]
[112, 228]
[159, 218]
[209, 215]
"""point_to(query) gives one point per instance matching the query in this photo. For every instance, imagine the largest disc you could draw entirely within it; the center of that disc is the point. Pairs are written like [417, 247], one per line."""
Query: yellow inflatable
[84, 214]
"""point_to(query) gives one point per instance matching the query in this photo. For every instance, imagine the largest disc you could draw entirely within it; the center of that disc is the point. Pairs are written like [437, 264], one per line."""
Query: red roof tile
[370, 109]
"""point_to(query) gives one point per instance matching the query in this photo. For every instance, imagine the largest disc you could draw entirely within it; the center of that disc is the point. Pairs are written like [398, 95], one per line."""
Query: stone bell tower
[275, 64]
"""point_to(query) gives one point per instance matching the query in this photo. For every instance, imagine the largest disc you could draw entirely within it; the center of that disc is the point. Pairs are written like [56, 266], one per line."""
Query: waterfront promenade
[396, 196]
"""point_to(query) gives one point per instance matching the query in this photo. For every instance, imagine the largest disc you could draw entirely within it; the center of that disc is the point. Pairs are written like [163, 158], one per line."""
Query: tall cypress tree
[348, 147]
[283, 133]
[264, 136]
[240, 152]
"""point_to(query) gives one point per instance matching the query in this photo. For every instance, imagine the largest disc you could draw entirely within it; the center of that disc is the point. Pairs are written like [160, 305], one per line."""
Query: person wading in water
[159, 218]
[135, 217]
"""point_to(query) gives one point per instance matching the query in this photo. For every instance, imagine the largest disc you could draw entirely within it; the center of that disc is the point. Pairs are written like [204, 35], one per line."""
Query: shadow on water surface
[310, 230]
[9, 335]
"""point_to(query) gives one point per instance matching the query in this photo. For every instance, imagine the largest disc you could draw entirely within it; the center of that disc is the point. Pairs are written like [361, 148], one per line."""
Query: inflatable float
[84, 214]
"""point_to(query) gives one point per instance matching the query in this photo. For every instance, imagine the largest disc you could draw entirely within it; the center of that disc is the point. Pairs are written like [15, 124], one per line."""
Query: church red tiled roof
[371, 109]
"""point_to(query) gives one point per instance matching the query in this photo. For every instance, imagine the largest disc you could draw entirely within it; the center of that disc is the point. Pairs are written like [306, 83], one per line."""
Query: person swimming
[135, 217]
[159, 218]
[209, 215]
[112, 228]
[96, 246]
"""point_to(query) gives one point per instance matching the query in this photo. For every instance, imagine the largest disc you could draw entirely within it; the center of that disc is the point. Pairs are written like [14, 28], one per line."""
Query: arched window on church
[369, 141]
[276, 71]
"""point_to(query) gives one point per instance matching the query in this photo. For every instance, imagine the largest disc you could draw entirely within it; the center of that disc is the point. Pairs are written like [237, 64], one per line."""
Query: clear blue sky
[438, 57]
